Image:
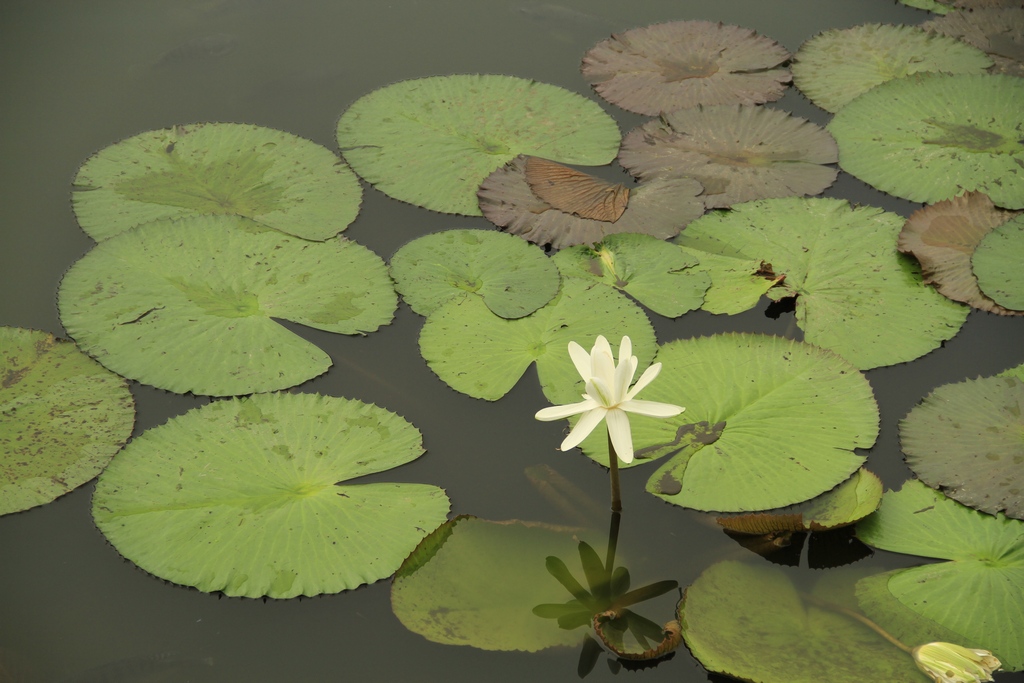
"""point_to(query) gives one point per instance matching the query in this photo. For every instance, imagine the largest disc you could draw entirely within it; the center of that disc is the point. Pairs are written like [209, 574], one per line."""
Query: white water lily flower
[608, 396]
[949, 663]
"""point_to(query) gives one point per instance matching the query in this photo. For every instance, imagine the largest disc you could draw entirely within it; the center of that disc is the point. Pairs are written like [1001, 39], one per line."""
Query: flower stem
[613, 472]
[859, 617]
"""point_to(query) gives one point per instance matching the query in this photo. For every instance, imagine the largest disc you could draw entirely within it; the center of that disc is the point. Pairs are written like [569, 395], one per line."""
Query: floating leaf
[512, 277]
[575, 192]
[966, 440]
[277, 179]
[854, 293]
[998, 31]
[930, 5]
[979, 593]
[664, 67]
[738, 153]
[251, 496]
[835, 66]
[657, 274]
[738, 281]
[944, 235]
[63, 418]
[661, 208]
[432, 141]
[996, 262]
[187, 305]
[929, 137]
[477, 353]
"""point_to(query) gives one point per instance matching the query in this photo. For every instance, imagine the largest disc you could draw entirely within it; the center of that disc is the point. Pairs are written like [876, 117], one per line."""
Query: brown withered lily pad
[998, 31]
[660, 207]
[943, 237]
[664, 67]
[575, 192]
[738, 153]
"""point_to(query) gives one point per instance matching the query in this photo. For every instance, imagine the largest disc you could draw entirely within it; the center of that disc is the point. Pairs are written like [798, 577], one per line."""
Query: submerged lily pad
[854, 293]
[660, 208]
[62, 418]
[835, 66]
[929, 137]
[657, 274]
[755, 434]
[277, 179]
[432, 141]
[251, 497]
[187, 305]
[979, 592]
[966, 440]
[997, 264]
[665, 67]
[512, 277]
[480, 354]
[738, 153]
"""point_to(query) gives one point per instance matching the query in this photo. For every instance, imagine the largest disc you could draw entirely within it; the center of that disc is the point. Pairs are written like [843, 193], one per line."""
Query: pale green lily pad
[657, 274]
[929, 137]
[1016, 371]
[997, 264]
[432, 141]
[855, 294]
[898, 620]
[475, 582]
[967, 440]
[251, 497]
[277, 179]
[835, 66]
[737, 280]
[62, 418]
[979, 593]
[514, 278]
[752, 623]
[755, 434]
[187, 305]
[480, 354]
[930, 5]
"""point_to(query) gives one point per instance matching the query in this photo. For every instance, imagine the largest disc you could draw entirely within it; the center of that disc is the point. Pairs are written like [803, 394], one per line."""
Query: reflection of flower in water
[949, 663]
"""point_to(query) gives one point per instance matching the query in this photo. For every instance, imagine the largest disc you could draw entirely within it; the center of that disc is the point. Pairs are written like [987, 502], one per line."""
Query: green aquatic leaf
[277, 179]
[737, 280]
[188, 305]
[996, 262]
[432, 141]
[513, 277]
[62, 418]
[251, 496]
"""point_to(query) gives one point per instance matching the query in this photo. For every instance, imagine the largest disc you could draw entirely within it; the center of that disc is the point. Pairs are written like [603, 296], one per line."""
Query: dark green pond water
[78, 76]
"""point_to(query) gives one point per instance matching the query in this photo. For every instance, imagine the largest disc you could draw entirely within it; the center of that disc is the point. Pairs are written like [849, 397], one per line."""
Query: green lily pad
[979, 592]
[737, 280]
[251, 497]
[996, 262]
[835, 66]
[187, 305]
[475, 582]
[855, 294]
[752, 623]
[929, 137]
[62, 418]
[657, 274]
[755, 434]
[480, 354]
[277, 179]
[900, 621]
[512, 277]
[432, 141]
[967, 440]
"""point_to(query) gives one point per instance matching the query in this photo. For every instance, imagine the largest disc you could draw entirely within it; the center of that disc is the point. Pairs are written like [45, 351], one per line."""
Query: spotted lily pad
[835, 66]
[432, 141]
[512, 277]
[998, 31]
[738, 153]
[665, 67]
[251, 497]
[738, 280]
[62, 418]
[929, 137]
[997, 264]
[277, 179]
[187, 305]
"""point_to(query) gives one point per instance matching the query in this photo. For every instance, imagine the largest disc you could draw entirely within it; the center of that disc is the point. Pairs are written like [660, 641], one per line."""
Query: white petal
[652, 408]
[583, 428]
[602, 362]
[645, 379]
[598, 390]
[621, 435]
[559, 412]
[623, 378]
[625, 349]
[581, 359]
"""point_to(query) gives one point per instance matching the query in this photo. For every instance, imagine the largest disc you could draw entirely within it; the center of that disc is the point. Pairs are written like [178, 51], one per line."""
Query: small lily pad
[512, 277]
[277, 179]
[997, 264]
[188, 305]
[62, 418]
[432, 141]
[251, 497]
